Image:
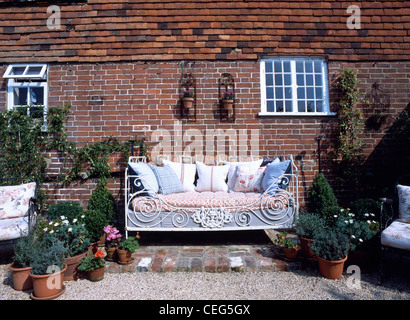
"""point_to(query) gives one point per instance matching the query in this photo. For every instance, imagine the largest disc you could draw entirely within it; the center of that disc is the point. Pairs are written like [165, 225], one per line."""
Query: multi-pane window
[294, 86]
[27, 86]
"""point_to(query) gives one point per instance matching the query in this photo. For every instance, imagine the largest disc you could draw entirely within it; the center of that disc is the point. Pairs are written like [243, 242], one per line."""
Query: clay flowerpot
[124, 256]
[304, 245]
[72, 264]
[97, 274]
[188, 102]
[290, 253]
[331, 269]
[228, 106]
[48, 286]
[21, 278]
[111, 254]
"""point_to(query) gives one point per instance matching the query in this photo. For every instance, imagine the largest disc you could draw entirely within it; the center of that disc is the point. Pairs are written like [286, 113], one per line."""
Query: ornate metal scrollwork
[212, 217]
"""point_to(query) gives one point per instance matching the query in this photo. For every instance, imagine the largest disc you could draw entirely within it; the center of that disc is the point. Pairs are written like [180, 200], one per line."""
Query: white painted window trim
[325, 88]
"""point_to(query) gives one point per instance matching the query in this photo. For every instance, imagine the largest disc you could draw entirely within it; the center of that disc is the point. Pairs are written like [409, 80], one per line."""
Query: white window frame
[295, 112]
[27, 81]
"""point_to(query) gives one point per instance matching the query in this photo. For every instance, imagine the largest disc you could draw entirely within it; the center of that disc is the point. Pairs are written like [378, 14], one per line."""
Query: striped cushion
[168, 181]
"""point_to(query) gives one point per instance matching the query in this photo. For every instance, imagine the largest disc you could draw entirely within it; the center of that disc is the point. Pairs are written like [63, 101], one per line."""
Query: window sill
[295, 114]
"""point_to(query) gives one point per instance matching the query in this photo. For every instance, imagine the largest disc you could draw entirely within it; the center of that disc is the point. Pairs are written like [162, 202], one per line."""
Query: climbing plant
[349, 146]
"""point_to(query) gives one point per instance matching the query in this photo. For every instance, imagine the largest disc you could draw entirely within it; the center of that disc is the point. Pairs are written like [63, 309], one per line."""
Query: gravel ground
[295, 285]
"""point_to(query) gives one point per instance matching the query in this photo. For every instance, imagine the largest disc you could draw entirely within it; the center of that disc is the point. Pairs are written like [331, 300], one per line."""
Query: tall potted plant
[21, 266]
[331, 246]
[48, 270]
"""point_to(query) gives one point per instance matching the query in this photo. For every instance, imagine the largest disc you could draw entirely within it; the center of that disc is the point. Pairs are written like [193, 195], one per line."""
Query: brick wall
[142, 99]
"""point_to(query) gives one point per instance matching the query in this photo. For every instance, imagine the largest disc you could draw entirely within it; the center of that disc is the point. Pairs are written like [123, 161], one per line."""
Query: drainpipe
[318, 139]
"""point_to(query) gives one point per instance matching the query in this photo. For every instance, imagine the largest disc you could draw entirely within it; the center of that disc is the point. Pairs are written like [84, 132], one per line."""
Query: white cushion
[248, 179]
[404, 203]
[232, 170]
[397, 235]
[211, 178]
[185, 173]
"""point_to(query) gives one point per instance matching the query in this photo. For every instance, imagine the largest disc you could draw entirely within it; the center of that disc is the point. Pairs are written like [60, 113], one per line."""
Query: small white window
[294, 86]
[27, 86]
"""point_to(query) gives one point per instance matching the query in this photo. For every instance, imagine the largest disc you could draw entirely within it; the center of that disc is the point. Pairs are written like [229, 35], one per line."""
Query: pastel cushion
[15, 200]
[397, 235]
[232, 170]
[185, 173]
[13, 228]
[271, 179]
[168, 181]
[211, 178]
[404, 203]
[267, 161]
[248, 179]
[147, 180]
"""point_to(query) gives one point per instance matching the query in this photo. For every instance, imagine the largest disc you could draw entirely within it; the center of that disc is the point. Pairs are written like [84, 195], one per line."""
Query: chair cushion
[168, 181]
[397, 235]
[211, 178]
[248, 179]
[273, 172]
[404, 203]
[232, 170]
[148, 179]
[13, 228]
[15, 200]
[185, 173]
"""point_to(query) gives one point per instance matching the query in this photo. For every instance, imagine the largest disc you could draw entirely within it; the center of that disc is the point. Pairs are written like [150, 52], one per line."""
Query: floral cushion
[15, 200]
[13, 228]
[404, 203]
[248, 179]
[397, 235]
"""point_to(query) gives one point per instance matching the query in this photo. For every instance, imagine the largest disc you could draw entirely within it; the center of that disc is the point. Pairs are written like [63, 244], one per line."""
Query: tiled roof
[115, 30]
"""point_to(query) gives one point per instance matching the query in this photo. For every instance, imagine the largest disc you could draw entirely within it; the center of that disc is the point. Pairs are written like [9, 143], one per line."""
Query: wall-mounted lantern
[226, 93]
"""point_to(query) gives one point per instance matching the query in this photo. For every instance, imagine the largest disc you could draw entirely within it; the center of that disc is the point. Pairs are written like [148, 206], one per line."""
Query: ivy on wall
[24, 144]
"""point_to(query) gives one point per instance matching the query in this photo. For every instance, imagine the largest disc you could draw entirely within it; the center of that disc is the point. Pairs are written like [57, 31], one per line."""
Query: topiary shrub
[321, 196]
[103, 202]
[95, 221]
[69, 209]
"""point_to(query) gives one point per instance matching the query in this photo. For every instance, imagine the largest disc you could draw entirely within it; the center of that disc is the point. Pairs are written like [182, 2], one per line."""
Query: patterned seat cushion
[397, 235]
[13, 228]
[15, 200]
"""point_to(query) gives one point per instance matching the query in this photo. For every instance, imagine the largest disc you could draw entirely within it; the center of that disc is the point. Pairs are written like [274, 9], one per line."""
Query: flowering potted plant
[94, 265]
[289, 246]
[126, 248]
[188, 99]
[113, 237]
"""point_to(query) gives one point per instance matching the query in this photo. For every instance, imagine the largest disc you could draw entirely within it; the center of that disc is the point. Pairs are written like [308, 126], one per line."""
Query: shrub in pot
[94, 265]
[20, 268]
[126, 248]
[306, 226]
[95, 221]
[48, 269]
[331, 246]
[321, 196]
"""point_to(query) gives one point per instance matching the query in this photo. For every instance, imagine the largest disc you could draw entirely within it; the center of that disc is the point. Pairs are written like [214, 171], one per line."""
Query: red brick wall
[121, 99]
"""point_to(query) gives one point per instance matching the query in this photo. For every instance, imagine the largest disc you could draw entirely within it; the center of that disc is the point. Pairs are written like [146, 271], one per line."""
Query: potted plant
[289, 246]
[21, 266]
[113, 237]
[306, 225]
[331, 245]
[227, 101]
[94, 265]
[126, 248]
[188, 99]
[48, 269]
[95, 221]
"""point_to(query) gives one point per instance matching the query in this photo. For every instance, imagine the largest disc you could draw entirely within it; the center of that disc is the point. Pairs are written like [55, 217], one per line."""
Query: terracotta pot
[123, 255]
[21, 278]
[304, 244]
[331, 269]
[97, 274]
[290, 253]
[188, 102]
[228, 106]
[72, 264]
[48, 285]
[111, 254]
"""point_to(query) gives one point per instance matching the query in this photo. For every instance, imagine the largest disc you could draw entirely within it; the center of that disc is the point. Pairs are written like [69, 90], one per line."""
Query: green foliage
[307, 224]
[283, 240]
[49, 255]
[75, 238]
[330, 243]
[321, 196]
[131, 244]
[103, 202]
[68, 209]
[349, 146]
[367, 205]
[24, 249]
[90, 262]
[95, 221]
